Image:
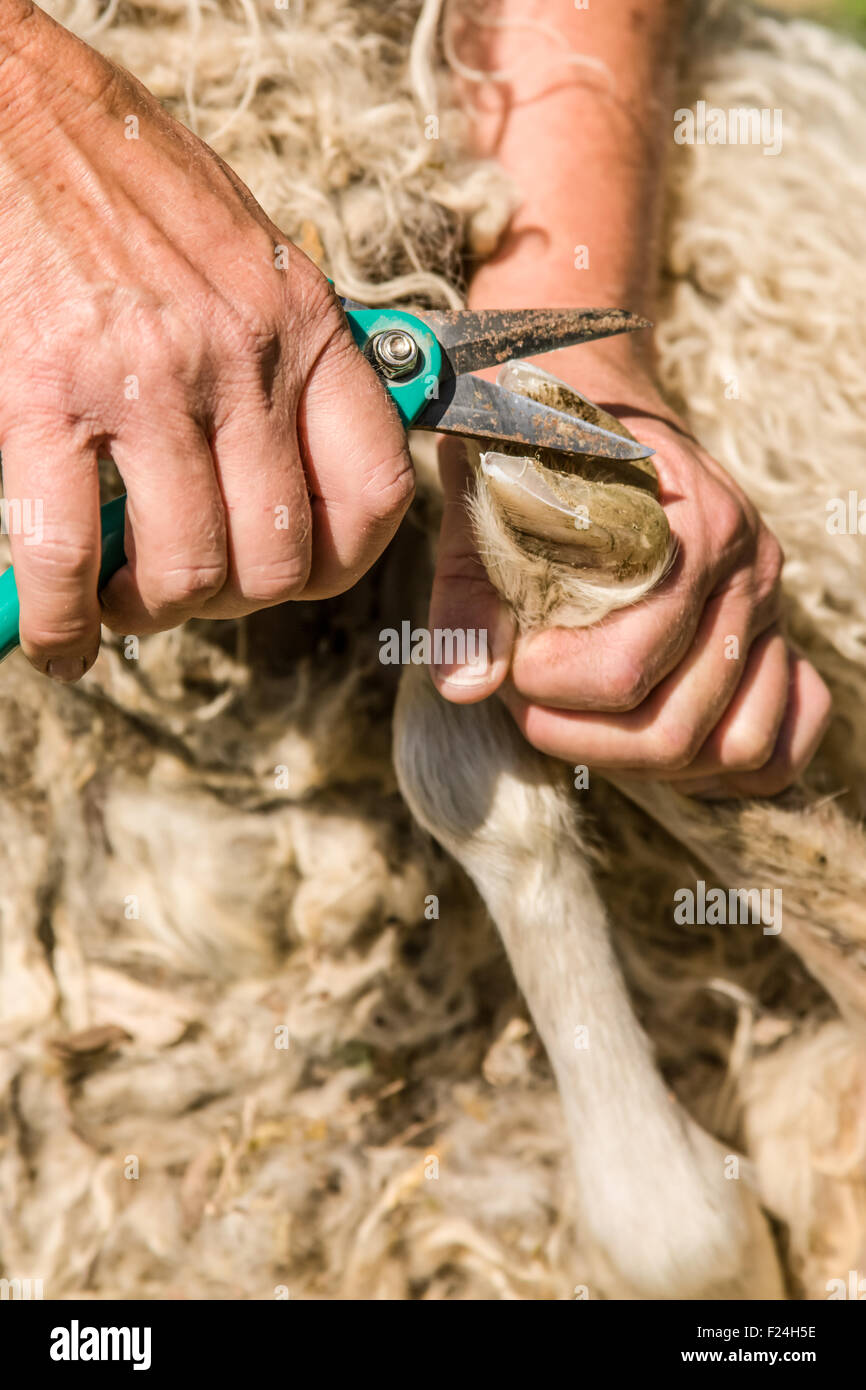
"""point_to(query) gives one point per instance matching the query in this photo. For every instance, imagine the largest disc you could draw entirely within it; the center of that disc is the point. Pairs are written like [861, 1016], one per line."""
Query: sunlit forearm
[585, 146]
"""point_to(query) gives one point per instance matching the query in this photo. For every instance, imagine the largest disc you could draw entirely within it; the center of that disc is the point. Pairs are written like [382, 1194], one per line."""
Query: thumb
[356, 461]
[464, 603]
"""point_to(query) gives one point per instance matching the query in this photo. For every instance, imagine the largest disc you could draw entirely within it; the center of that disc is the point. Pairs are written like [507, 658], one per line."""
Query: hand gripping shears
[425, 360]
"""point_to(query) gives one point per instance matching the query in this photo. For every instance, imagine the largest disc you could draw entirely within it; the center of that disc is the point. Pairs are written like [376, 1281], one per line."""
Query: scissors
[425, 360]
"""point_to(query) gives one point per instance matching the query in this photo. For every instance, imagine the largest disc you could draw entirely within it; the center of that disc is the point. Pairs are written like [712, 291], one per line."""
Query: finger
[745, 736]
[807, 715]
[51, 487]
[267, 510]
[616, 664]
[175, 530]
[664, 734]
[463, 601]
[356, 459]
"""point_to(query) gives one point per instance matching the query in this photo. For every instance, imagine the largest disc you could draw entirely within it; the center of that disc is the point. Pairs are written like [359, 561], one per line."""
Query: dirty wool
[257, 1035]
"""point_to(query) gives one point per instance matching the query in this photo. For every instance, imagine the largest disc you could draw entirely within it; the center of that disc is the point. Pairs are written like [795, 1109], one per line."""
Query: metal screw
[395, 352]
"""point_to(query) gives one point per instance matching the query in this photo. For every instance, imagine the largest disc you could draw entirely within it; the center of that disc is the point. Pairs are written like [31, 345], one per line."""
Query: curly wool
[336, 134]
[204, 846]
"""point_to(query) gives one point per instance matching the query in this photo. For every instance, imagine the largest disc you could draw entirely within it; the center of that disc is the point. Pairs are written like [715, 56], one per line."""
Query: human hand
[694, 685]
[149, 309]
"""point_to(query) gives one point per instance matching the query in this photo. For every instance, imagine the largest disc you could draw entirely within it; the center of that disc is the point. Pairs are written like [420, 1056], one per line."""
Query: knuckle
[167, 348]
[256, 333]
[83, 323]
[300, 296]
[49, 390]
[60, 349]
[84, 318]
[627, 684]
[673, 747]
[748, 750]
[729, 522]
[328, 340]
[157, 341]
[256, 352]
[771, 562]
[186, 585]
[388, 496]
[48, 636]
[61, 557]
[314, 299]
[271, 584]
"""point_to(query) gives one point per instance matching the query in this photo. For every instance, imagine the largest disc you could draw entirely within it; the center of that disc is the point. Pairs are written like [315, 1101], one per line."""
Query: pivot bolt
[395, 352]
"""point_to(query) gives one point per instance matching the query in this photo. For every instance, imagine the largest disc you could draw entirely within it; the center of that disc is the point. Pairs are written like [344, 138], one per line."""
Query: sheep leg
[654, 1197]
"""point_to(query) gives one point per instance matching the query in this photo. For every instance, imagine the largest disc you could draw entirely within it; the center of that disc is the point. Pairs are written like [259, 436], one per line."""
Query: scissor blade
[473, 340]
[472, 406]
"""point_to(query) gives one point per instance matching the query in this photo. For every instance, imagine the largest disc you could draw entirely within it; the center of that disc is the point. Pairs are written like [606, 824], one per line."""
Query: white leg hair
[656, 1198]
[655, 1201]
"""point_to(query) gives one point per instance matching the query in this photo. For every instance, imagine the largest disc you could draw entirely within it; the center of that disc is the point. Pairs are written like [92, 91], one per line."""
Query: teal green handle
[409, 396]
[413, 394]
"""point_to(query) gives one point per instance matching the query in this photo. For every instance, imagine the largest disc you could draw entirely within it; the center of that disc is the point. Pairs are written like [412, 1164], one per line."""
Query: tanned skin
[652, 689]
[149, 261]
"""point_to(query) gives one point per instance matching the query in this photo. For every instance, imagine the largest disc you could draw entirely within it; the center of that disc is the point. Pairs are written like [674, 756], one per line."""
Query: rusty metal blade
[476, 339]
[469, 405]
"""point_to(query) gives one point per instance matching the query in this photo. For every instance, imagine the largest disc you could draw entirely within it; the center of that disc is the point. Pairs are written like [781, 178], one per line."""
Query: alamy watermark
[854, 1288]
[23, 1290]
[846, 516]
[738, 906]
[77, 1343]
[22, 516]
[441, 646]
[740, 125]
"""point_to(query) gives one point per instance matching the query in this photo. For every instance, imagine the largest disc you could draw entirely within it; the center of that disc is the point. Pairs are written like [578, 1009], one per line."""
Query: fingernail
[66, 668]
[483, 647]
[473, 672]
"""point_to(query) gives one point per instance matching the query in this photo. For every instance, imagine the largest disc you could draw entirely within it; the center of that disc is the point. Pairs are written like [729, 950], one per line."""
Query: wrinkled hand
[696, 684]
[150, 310]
